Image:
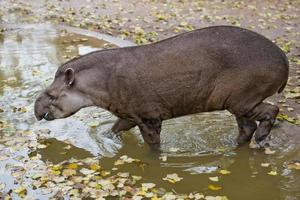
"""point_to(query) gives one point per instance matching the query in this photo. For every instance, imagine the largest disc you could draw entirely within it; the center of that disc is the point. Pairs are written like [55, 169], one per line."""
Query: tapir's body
[209, 69]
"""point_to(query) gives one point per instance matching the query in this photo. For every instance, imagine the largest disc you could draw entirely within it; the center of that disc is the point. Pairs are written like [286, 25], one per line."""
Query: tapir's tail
[286, 63]
[282, 87]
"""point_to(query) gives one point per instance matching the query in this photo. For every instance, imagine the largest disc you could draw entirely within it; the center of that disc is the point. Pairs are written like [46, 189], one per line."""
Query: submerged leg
[150, 130]
[122, 125]
[266, 115]
[246, 129]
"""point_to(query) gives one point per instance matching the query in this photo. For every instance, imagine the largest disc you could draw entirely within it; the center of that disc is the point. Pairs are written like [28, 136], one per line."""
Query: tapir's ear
[69, 76]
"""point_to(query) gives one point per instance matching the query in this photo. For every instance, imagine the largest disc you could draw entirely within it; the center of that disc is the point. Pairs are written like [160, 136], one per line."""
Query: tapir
[209, 69]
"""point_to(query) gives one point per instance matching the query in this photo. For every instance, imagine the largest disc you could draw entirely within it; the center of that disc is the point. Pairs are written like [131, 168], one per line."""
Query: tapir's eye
[51, 97]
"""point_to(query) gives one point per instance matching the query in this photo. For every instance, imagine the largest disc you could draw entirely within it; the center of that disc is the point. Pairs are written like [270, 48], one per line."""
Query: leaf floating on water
[265, 164]
[216, 198]
[269, 151]
[163, 158]
[214, 179]
[2, 186]
[72, 166]
[42, 146]
[95, 167]
[58, 179]
[224, 171]
[272, 173]
[94, 124]
[21, 191]
[136, 178]
[172, 178]
[125, 159]
[86, 171]
[137, 197]
[68, 147]
[214, 187]
[3, 157]
[84, 39]
[148, 186]
[68, 172]
[173, 149]
[196, 196]
[295, 165]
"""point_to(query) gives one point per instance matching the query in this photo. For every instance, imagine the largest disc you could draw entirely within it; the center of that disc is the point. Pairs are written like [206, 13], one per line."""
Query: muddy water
[195, 147]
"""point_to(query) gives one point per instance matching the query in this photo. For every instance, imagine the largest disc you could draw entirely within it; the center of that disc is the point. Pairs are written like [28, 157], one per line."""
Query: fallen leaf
[93, 124]
[295, 165]
[215, 178]
[268, 151]
[163, 158]
[265, 164]
[41, 146]
[224, 171]
[2, 186]
[68, 172]
[272, 173]
[216, 198]
[68, 147]
[95, 167]
[172, 178]
[173, 149]
[148, 186]
[214, 187]
[86, 171]
[21, 191]
[72, 166]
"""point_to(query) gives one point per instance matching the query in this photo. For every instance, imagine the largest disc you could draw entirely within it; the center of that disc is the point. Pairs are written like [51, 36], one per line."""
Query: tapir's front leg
[150, 130]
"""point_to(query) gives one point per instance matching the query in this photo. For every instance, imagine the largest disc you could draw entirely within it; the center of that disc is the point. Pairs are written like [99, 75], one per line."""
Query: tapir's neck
[92, 86]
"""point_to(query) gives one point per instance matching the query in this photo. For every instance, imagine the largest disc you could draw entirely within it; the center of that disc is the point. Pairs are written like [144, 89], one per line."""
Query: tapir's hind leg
[266, 115]
[122, 125]
[246, 129]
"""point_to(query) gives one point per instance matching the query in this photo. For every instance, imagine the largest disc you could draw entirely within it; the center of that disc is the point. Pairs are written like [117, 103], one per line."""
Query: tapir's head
[62, 98]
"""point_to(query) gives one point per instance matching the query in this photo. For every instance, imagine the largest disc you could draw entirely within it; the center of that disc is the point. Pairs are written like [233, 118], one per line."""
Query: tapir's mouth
[48, 117]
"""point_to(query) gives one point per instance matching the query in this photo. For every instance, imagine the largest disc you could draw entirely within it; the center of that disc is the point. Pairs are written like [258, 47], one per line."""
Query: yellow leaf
[21, 191]
[265, 164]
[56, 167]
[69, 172]
[214, 187]
[272, 173]
[224, 171]
[172, 178]
[215, 178]
[94, 167]
[147, 186]
[56, 172]
[93, 124]
[155, 198]
[72, 166]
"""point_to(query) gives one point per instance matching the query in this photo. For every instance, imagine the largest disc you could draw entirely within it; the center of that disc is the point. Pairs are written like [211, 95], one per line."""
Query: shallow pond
[195, 147]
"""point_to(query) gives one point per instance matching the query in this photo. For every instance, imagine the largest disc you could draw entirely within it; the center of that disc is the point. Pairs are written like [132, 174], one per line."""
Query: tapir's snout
[40, 108]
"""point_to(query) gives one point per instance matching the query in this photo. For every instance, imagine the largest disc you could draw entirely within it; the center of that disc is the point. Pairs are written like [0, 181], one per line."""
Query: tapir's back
[199, 70]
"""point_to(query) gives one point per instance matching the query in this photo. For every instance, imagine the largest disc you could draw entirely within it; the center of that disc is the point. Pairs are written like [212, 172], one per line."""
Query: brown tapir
[214, 68]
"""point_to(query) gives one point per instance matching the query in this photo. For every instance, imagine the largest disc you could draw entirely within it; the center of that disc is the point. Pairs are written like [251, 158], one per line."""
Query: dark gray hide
[215, 68]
